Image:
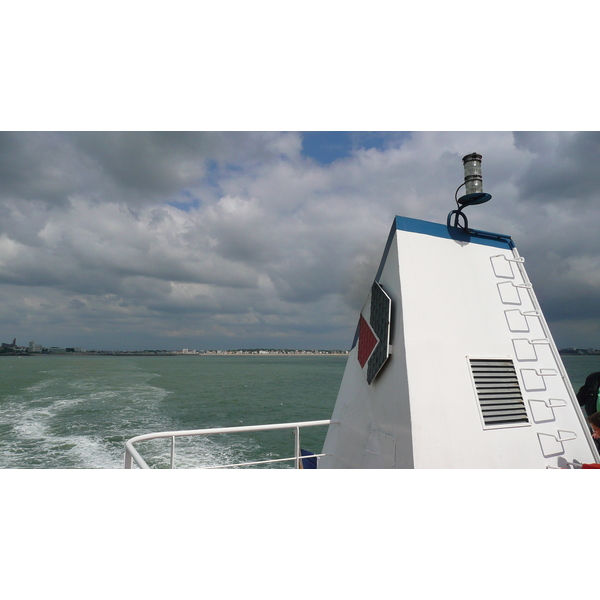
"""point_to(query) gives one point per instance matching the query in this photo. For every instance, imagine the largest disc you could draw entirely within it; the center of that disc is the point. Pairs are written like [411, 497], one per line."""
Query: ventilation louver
[498, 391]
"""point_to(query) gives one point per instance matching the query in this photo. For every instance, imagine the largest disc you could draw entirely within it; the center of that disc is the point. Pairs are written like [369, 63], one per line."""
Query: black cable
[456, 193]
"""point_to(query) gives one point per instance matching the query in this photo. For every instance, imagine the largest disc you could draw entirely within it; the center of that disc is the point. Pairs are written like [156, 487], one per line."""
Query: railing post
[297, 446]
[172, 452]
[128, 460]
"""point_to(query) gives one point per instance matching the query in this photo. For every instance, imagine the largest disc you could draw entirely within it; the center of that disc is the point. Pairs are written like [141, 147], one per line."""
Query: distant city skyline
[246, 239]
[34, 348]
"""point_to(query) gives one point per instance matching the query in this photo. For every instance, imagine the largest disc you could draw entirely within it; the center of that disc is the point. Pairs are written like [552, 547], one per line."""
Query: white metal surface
[456, 300]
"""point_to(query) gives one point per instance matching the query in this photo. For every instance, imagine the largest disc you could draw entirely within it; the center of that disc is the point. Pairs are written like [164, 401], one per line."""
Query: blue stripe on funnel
[469, 236]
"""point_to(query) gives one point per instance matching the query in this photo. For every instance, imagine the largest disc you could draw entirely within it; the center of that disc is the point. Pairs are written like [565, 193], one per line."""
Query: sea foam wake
[77, 412]
[70, 420]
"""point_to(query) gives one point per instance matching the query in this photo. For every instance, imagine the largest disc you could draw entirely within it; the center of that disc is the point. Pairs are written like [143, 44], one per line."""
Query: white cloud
[266, 243]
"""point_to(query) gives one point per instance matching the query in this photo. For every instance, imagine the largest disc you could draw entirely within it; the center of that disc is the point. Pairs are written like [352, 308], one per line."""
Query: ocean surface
[76, 412]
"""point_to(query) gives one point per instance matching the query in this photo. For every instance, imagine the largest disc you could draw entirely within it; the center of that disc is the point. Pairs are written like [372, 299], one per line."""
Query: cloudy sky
[236, 240]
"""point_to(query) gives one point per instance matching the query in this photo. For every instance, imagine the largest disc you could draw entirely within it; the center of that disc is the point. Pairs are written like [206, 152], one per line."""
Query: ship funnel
[473, 187]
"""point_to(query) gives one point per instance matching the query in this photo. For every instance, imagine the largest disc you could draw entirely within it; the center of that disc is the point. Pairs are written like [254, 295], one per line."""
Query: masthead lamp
[473, 187]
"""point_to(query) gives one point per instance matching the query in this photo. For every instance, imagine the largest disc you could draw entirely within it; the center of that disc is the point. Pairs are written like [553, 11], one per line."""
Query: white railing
[132, 456]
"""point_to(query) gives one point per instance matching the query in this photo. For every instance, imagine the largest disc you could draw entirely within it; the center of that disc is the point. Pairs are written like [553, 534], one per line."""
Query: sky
[217, 240]
[225, 175]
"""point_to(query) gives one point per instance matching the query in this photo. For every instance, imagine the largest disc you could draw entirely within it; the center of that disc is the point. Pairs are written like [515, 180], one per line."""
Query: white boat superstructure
[473, 378]
[453, 364]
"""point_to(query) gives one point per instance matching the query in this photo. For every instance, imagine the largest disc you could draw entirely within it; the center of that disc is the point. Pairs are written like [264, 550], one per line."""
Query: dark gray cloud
[148, 163]
[563, 166]
[134, 167]
[76, 304]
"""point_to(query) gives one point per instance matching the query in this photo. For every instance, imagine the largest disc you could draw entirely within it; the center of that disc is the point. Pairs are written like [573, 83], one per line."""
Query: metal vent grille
[498, 391]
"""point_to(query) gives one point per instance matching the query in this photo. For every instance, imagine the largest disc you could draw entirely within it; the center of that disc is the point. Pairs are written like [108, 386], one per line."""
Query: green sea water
[78, 411]
[74, 412]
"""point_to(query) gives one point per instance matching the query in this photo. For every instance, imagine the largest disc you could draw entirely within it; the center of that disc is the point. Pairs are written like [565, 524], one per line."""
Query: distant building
[12, 346]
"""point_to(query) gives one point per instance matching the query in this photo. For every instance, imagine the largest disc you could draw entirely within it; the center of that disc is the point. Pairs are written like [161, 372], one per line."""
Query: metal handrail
[133, 456]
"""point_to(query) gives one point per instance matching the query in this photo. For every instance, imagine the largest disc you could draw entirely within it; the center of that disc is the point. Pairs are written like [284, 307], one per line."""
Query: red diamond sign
[367, 341]
[373, 332]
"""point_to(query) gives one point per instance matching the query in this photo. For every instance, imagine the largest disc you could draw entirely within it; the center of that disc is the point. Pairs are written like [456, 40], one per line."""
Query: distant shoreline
[178, 353]
[171, 354]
